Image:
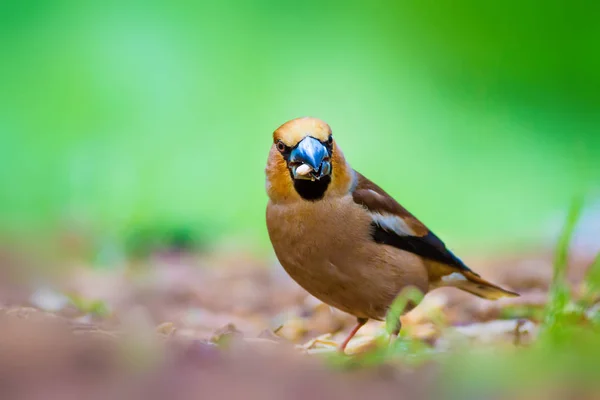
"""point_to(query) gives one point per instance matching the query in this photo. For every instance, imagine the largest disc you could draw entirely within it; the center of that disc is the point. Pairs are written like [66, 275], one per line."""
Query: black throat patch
[307, 189]
[312, 190]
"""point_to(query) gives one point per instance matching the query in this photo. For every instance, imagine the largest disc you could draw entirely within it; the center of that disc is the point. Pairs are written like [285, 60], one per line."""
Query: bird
[344, 239]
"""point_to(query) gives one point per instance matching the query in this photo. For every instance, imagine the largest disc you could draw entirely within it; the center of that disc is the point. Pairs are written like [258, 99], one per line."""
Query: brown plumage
[343, 238]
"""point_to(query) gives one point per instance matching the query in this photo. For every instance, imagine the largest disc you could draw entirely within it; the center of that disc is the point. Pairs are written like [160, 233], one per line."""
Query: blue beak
[312, 153]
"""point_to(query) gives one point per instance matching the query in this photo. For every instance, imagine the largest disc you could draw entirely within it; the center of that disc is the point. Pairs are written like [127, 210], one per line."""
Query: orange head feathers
[292, 132]
[305, 163]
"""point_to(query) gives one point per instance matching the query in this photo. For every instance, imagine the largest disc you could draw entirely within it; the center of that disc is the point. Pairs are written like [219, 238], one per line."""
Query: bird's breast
[310, 235]
[326, 247]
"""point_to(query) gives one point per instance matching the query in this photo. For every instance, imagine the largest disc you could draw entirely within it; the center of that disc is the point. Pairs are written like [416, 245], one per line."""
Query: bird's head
[305, 162]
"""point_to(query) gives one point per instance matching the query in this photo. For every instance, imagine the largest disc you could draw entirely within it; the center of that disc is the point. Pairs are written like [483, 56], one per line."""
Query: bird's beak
[310, 160]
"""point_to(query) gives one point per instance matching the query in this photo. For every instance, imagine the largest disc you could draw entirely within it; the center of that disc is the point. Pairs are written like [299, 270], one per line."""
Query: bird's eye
[281, 146]
[330, 139]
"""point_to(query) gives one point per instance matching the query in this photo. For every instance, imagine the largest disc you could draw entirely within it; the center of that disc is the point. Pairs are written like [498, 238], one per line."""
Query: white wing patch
[392, 223]
[453, 277]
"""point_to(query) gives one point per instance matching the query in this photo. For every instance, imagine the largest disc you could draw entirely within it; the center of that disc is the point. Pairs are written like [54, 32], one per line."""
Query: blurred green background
[148, 116]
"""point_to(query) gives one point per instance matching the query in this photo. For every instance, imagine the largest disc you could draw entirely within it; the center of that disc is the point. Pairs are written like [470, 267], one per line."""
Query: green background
[480, 117]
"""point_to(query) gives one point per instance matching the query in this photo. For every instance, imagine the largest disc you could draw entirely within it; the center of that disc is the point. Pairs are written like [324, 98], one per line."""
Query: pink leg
[359, 323]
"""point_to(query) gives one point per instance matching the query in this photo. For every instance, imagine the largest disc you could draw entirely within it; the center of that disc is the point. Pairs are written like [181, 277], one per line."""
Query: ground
[226, 325]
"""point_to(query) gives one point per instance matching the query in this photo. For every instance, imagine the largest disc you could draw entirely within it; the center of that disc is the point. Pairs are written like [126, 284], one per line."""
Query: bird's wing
[395, 226]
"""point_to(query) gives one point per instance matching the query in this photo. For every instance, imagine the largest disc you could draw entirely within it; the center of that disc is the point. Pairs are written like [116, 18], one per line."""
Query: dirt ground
[233, 326]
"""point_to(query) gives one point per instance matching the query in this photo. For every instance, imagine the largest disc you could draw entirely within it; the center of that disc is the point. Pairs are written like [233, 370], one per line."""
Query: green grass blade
[560, 295]
[408, 295]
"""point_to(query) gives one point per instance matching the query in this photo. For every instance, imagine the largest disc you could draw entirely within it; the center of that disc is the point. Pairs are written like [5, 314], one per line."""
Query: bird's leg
[359, 323]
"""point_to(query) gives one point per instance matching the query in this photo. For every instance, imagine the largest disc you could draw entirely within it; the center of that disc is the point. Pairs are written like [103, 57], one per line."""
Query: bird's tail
[478, 286]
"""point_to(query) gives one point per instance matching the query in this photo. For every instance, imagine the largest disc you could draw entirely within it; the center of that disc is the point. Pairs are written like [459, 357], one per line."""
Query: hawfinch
[343, 238]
